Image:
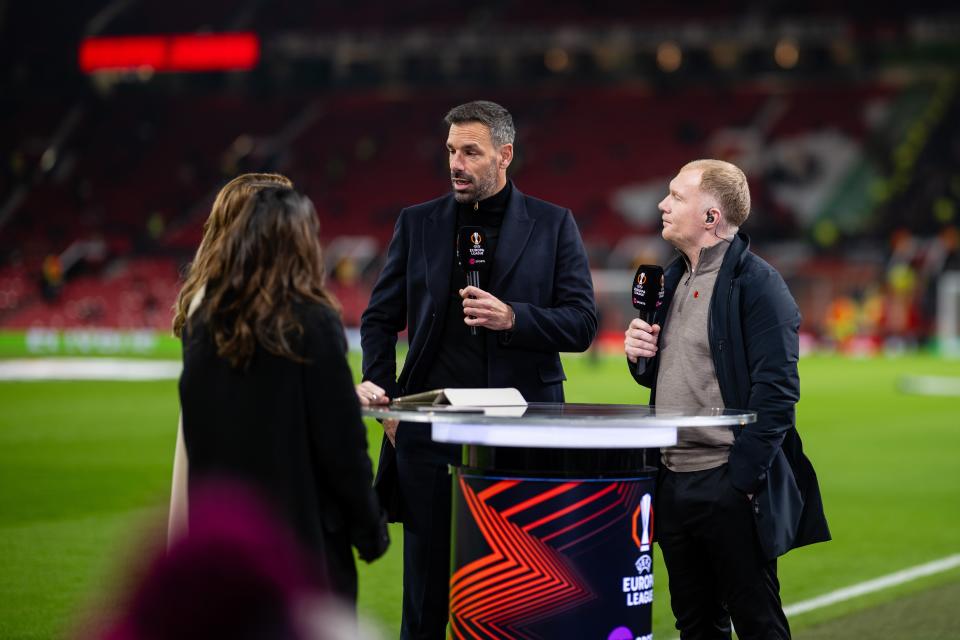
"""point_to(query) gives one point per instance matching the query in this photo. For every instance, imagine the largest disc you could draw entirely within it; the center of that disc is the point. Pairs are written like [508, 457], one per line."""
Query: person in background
[728, 502]
[266, 393]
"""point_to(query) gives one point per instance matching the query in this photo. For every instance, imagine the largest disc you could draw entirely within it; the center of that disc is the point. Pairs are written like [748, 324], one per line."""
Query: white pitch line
[88, 369]
[877, 584]
[931, 385]
[872, 586]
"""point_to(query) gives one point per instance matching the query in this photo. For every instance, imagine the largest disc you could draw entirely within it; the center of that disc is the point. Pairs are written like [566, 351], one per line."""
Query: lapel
[514, 234]
[672, 275]
[720, 312]
[438, 239]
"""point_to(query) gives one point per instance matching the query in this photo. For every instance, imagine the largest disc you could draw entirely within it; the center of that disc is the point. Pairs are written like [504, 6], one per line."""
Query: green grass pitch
[85, 472]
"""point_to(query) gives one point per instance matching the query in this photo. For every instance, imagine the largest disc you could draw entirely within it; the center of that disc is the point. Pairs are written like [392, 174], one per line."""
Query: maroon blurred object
[237, 574]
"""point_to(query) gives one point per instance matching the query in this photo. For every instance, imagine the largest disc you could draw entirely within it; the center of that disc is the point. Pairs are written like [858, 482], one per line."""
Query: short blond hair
[727, 183]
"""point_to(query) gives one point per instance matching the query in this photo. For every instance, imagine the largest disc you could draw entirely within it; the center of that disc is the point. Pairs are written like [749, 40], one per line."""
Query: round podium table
[553, 514]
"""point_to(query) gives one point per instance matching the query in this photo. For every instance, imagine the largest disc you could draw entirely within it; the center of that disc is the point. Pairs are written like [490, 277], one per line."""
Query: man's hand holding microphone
[641, 340]
[646, 293]
[483, 309]
[480, 308]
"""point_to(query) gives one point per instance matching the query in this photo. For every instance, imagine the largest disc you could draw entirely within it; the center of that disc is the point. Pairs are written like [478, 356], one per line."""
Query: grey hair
[495, 117]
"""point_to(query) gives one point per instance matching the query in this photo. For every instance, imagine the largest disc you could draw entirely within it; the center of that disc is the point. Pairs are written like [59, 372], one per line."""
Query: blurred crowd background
[846, 120]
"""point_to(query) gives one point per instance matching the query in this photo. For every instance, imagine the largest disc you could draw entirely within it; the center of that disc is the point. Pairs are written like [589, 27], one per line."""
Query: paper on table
[507, 400]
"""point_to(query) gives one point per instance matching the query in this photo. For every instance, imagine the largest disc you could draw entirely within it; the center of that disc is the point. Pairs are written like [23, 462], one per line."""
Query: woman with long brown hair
[226, 208]
[266, 393]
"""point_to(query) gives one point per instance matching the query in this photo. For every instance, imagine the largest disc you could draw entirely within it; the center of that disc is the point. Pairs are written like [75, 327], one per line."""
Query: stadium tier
[132, 181]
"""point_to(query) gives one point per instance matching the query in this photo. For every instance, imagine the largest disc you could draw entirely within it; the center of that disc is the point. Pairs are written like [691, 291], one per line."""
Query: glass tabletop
[565, 414]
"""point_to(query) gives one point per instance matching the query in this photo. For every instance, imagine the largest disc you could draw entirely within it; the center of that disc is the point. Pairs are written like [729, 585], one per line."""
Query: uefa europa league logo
[643, 524]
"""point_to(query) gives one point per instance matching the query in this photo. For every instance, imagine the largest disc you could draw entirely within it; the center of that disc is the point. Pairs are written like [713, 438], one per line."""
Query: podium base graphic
[551, 558]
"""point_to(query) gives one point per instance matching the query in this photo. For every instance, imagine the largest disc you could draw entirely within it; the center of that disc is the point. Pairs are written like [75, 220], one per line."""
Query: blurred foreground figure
[728, 502]
[266, 392]
[238, 574]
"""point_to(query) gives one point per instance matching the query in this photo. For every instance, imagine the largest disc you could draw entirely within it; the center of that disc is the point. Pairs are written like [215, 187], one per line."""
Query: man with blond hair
[729, 502]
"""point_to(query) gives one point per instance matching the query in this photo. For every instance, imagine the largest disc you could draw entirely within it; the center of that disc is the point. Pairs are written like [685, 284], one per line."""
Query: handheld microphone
[472, 256]
[647, 296]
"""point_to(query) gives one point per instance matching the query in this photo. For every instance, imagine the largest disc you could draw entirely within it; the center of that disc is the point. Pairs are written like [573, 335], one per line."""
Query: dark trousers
[425, 495]
[716, 570]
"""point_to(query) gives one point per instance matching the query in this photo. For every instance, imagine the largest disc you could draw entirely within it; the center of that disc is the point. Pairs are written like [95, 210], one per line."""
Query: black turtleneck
[461, 360]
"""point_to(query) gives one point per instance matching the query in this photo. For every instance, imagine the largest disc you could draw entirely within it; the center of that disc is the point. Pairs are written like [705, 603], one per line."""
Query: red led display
[171, 53]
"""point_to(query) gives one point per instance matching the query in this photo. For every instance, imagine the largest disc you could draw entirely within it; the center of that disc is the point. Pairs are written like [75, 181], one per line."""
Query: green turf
[79, 463]
[929, 615]
[85, 468]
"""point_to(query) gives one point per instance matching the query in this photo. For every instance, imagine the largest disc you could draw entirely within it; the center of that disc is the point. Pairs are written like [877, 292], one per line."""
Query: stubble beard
[484, 186]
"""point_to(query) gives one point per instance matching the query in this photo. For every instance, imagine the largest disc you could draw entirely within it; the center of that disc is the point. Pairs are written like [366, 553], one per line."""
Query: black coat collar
[439, 233]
